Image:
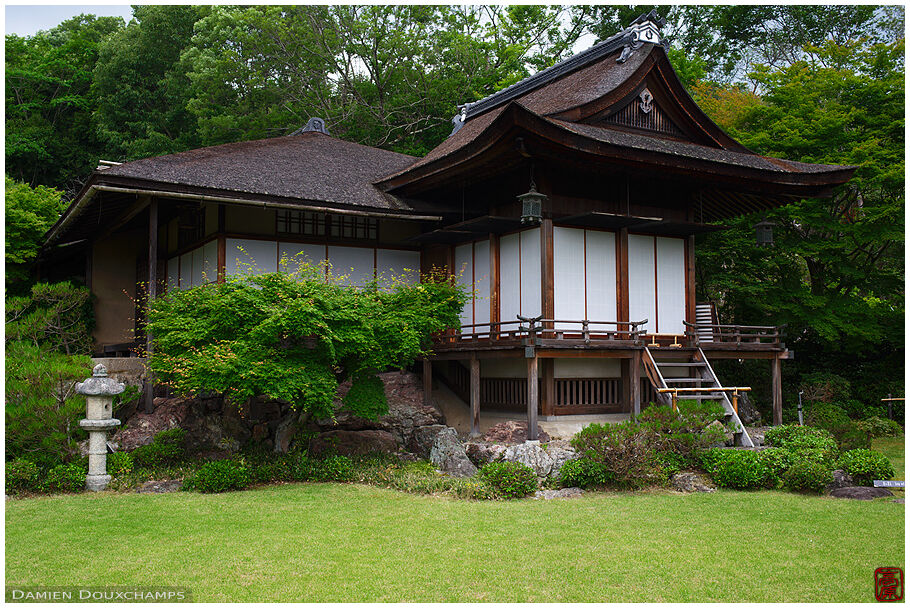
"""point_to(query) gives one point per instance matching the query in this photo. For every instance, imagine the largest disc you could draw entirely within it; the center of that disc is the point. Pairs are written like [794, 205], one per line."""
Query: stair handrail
[713, 377]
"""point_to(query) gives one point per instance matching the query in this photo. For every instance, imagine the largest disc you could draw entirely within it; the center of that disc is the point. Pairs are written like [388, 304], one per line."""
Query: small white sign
[878, 483]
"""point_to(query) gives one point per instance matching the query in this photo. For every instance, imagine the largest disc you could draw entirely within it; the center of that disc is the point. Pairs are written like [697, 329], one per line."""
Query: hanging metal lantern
[764, 233]
[532, 205]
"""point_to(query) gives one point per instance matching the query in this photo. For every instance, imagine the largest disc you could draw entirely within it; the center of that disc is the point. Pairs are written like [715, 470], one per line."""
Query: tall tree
[49, 138]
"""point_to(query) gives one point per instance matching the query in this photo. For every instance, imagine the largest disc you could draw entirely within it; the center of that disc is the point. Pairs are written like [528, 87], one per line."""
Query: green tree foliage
[49, 138]
[140, 91]
[387, 76]
[57, 316]
[295, 336]
[30, 212]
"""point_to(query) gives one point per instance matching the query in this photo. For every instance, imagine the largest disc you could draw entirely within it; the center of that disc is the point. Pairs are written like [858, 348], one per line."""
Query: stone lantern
[99, 391]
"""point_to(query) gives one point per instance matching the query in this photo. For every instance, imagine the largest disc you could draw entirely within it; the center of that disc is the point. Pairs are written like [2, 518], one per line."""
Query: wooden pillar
[548, 394]
[532, 398]
[222, 258]
[152, 293]
[635, 384]
[494, 282]
[427, 381]
[547, 306]
[88, 265]
[690, 279]
[777, 394]
[475, 397]
[622, 276]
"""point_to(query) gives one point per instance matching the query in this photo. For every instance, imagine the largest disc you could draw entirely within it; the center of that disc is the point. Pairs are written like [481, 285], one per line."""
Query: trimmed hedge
[65, 478]
[21, 476]
[865, 466]
[219, 476]
[166, 448]
[509, 479]
[806, 476]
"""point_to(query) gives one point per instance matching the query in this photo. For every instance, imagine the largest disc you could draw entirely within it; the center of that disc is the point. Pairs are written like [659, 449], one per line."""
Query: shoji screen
[569, 275]
[657, 282]
[600, 268]
[173, 273]
[472, 263]
[519, 275]
[248, 256]
[292, 255]
[671, 285]
[354, 263]
[403, 265]
[642, 287]
[193, 268]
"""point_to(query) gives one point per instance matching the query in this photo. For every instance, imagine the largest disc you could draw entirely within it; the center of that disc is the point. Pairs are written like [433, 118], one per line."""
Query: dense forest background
[810, 83]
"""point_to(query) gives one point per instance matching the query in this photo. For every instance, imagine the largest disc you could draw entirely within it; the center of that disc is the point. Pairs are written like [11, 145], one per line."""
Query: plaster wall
[248, 219]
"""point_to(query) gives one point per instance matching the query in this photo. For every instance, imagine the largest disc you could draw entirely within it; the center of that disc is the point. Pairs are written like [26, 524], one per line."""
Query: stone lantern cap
[99, 385]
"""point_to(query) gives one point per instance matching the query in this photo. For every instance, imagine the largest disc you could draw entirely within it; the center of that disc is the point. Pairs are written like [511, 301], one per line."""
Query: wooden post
[735, 400]
[532, 398]
[635, 384]
[622, 277]
[690, 279]
[890, 411]
[427, 381]
[152, 293]
[547, 305]
[494, 286]
[548, 394]
[88, 265]
[475, 397]
[777, 397]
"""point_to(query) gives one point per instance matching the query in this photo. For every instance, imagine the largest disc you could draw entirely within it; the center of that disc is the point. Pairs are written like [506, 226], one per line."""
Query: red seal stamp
[889, 584]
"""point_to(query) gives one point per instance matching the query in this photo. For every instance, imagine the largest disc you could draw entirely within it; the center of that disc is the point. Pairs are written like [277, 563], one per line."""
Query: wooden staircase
[705, 319]
[660, 363]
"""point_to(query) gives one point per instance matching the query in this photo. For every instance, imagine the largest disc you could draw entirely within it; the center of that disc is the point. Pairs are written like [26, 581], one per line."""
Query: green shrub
[119, 464]
[166, 448]
[850, 435]
[881, 427]
[685, 432]
[825, 387]
[742, 470]
[21, 476]
[671, 463]
[65, 478]
[798, 438]
[710, 458]
[509, 479]
[825, 415]
[219, 476]
[806, 476]
[332, 468]
[865, 466]
[584, 473]
[776, 461]
[623, 450]
[280, 468]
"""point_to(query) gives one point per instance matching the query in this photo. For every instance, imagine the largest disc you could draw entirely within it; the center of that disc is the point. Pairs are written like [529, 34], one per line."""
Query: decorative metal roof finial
[645, 28]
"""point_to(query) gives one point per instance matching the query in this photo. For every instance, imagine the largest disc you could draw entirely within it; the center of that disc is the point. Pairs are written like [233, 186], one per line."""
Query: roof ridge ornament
[645, 28]
[314, 124]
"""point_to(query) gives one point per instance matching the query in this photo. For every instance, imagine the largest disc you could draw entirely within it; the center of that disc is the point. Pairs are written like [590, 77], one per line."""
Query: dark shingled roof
[310, 166]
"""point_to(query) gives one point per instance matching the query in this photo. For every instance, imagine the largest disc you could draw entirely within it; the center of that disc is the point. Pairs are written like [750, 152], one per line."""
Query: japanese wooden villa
[569, 201]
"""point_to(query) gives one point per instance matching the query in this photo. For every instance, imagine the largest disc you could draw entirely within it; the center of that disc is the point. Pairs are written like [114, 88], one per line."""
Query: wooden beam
[427, 381]
[548, 394]
[635, 384]
[135, 209]
[622, 275]
[690, 279]
[475, 397]
[625, 375]
[532, 398]
[152, 293]
[777, 395]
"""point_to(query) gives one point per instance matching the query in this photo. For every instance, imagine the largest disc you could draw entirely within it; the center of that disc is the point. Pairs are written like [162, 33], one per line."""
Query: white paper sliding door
[600, 271]
[193, 268]
[464, 271]
[472, 265]
[642, 287]
[569, 276]
[509, 278]
[292, 256]
[530, 272]
[396, 265]
[671, 285]
[354, 264]
[248, 256]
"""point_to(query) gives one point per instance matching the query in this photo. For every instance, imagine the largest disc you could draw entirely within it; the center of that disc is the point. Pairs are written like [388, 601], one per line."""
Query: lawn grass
[337, 542]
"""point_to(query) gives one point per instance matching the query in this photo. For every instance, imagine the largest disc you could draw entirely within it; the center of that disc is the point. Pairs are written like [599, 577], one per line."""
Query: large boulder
[563, 493]
[840, 479]
[531, 455]
[448, 454]
[353, 443]
[482, 453]
[691, 482]
[141, 428]
[422, 439]
[404, 393]
[511, 432]
[560, 455]
[746, 410]
[861, 493]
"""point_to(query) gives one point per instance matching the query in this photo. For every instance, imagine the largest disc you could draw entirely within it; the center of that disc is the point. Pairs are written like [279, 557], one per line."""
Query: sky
[25, 20]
